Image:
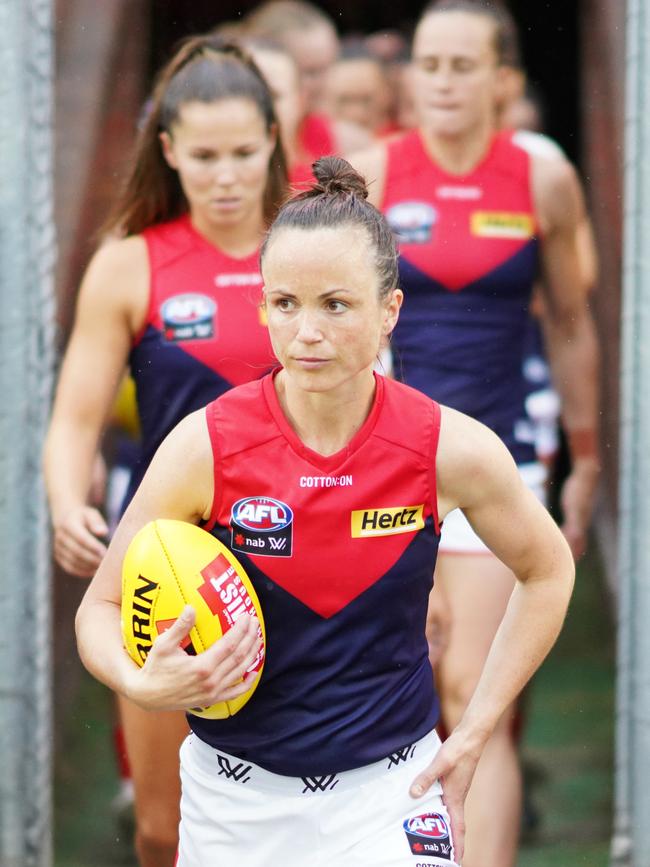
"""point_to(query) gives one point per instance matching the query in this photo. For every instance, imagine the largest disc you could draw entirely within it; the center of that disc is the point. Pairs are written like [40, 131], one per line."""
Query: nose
[225, 174]
[308, 330]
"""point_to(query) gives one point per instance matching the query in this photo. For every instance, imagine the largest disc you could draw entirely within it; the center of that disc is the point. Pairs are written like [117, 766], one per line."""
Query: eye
[284, 304]
[244, 153]
[203, 156]
[463, 64]
[429, 64]
[336, 306]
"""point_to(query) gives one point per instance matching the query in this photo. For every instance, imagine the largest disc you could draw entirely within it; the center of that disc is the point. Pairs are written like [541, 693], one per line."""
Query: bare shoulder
[180, 476]
[371, 163]
[471, 460]
[557, 191]
[117, 279]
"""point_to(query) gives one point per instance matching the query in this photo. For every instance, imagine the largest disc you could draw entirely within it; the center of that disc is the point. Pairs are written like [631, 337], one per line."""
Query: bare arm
[178, 484]
[110, 309]
[477, 474]
[570, 334]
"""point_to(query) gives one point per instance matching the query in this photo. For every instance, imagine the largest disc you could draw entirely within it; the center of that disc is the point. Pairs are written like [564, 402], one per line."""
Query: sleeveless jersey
[341, 551]
[316, 136]
[204, 331]
[468, 261]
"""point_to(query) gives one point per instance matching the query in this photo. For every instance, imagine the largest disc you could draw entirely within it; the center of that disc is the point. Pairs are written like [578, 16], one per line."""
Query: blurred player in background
[476, 214]
[176, 296]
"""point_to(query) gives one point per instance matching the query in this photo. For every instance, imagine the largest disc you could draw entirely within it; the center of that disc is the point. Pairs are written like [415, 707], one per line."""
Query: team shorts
[458, 537]
[237, 814]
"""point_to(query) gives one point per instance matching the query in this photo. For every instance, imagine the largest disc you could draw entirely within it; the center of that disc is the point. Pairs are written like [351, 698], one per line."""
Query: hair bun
[335, 175]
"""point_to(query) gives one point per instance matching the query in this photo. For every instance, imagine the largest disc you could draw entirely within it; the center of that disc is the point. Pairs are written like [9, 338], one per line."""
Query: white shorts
[457, 535]
[236, 814]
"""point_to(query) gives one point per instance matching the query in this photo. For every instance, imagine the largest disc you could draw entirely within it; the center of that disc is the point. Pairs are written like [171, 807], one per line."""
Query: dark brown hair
[204, 69]
[506, 35]
[338, 198]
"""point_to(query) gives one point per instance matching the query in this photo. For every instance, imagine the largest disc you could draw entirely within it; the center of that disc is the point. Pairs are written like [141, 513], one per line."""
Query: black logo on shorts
[319, 784]
[233, 772]
[401, 755]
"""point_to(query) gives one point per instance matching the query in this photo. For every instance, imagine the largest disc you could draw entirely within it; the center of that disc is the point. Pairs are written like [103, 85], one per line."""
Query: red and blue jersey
[468, 260]
[204, 333]
[341, 551]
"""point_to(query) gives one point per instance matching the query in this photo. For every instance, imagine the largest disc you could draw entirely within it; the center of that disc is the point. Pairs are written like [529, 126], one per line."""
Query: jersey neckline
[325, 463]
[186, 219]
[485, 160]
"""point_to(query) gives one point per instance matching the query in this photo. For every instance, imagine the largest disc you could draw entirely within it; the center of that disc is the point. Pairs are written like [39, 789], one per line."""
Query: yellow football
[170, 564]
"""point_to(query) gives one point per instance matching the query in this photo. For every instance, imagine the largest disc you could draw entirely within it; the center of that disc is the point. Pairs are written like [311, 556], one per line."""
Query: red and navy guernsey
[468, 260]
[204, 333]
[341, 551]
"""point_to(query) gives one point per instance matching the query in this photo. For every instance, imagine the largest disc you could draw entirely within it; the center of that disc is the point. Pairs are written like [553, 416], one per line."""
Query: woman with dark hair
[335, 756]
[174, 292]
[477, 215]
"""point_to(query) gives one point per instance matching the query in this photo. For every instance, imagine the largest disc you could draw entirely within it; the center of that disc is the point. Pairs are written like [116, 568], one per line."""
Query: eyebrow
[327, 294]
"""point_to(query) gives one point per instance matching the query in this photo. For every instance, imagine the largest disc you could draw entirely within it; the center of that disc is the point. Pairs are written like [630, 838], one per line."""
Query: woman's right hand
[77, 546]
[173, 680]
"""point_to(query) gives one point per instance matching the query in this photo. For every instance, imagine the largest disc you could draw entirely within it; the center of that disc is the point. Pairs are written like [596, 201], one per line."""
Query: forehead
[278, 69]
[355, 75]
[339, 255]
[454, 33]
[230, 118]
[317, 44]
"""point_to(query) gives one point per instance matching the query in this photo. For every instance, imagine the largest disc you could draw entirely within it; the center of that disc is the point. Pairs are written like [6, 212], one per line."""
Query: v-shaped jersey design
[468, 261]
[204, 333]
[341, 551]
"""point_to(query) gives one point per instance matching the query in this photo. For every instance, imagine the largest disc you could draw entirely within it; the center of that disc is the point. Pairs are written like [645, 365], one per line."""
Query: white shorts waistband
[208, 760]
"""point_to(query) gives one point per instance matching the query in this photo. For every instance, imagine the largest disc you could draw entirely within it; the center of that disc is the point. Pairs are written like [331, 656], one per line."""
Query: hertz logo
[386, 522]
[501, 224]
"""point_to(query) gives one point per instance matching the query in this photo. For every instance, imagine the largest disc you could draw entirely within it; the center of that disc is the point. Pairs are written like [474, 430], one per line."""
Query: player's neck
[459, 154]
[327, 421]
[238, 240]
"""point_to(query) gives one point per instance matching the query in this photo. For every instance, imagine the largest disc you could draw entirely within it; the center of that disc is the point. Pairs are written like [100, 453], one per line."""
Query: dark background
[549, 36]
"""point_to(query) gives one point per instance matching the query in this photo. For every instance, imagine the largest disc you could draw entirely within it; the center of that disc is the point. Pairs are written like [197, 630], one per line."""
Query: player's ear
[167, 145]
[391, 311]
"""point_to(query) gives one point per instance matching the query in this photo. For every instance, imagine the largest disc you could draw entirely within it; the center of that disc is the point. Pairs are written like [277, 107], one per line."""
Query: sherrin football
[170, 564]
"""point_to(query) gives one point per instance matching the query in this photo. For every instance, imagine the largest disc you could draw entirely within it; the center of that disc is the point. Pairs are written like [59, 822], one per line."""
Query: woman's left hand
[454, 765]
[577, 502]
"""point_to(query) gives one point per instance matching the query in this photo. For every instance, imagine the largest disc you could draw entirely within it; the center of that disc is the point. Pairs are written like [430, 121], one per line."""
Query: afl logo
[412, 222]
[188, 317]
[263, 526]
[428, 834]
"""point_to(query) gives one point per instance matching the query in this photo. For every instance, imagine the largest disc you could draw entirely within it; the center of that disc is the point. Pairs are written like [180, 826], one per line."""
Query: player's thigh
[153, 740]
[477, 588]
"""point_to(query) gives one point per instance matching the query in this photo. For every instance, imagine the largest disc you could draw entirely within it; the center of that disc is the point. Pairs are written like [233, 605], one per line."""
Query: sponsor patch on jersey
[262, 526]
[386, 522]
[188, 317]
[429, 836]
[224, 280]
[459, 192]
[502, 224]
[412, 222]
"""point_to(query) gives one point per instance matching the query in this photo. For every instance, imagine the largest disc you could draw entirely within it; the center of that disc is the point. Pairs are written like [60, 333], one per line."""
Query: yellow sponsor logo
[502, 224]
[261, 311]
[386, 522]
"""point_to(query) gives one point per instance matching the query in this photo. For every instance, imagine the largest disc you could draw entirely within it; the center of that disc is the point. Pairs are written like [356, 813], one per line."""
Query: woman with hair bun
[174, 293]
[335, 757]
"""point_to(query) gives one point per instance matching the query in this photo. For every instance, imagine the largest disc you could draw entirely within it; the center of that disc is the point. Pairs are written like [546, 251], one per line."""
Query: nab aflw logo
[263, 526]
